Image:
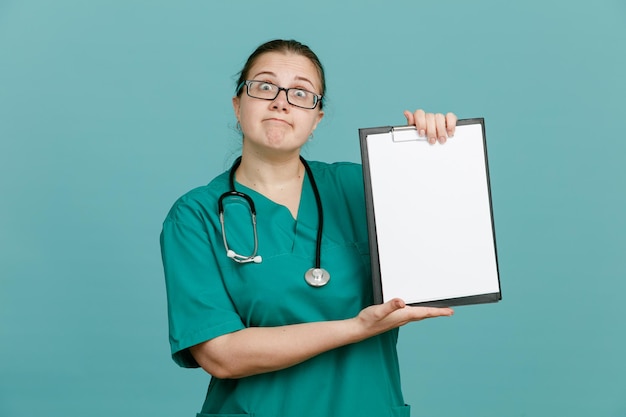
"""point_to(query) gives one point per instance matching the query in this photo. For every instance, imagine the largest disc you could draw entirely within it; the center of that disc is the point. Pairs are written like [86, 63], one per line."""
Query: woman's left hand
[435, 127]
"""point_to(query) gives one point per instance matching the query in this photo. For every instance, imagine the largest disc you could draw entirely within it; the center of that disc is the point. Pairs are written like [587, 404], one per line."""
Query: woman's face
[275, 127]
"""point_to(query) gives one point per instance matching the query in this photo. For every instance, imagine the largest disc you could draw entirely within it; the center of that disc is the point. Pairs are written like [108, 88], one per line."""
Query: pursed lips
[274, 119]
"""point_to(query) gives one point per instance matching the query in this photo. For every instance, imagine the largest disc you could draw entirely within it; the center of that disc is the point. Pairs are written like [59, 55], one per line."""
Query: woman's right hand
[394, 313]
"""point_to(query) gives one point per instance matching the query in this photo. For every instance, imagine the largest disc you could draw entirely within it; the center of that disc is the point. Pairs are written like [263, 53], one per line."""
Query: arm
[264, 349]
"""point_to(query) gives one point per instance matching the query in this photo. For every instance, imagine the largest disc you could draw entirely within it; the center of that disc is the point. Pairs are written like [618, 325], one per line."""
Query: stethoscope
[316, 276]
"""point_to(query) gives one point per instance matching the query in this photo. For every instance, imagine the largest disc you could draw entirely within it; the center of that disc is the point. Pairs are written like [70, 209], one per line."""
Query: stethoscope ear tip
[257, 259]
[230, 253]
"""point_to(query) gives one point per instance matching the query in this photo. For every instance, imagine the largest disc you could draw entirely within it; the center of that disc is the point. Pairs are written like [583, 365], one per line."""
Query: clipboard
[430, 217]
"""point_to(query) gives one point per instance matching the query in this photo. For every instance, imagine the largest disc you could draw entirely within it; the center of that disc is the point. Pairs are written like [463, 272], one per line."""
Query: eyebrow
[298, 78]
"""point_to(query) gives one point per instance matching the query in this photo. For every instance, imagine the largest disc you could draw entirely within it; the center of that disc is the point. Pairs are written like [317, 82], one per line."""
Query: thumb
[393, 305]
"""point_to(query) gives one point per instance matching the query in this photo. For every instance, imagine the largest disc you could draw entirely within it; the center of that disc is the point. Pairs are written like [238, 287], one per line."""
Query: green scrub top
[210, 295]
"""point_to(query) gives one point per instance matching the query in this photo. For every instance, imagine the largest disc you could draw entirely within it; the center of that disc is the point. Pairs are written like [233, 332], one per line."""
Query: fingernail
[422, 133]
[431, 141]
[442, 139]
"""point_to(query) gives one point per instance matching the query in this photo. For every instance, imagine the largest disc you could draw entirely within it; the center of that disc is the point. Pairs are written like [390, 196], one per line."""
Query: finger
[439, 312]
[440, 122]
[431, 312]
[410, 120]
[431, 128]
[451, 120]
[420, 122]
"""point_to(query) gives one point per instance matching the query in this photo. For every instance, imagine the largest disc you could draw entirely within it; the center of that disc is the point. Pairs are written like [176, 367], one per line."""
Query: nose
[280, 102]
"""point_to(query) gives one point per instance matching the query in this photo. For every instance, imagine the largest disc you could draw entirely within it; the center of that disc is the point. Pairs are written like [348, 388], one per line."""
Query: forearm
[258, 350]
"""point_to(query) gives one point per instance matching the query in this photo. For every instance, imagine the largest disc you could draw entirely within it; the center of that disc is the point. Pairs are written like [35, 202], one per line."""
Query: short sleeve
[199, 307]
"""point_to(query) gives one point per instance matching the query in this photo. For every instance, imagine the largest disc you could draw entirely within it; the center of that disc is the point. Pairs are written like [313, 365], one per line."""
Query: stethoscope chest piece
[317, 277]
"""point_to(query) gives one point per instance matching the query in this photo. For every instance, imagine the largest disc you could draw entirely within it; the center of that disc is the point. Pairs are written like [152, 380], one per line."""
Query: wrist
[355, 331]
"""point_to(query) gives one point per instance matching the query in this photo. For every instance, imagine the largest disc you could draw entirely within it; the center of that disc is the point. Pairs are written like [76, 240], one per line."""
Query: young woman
[267, 267]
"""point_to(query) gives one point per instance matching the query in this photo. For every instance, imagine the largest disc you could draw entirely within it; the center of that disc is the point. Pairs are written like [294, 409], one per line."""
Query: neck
[270, 174]
[278, 180]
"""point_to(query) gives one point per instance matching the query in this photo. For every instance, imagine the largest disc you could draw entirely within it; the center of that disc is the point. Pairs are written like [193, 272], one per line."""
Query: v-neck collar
[306, 207]
[300, 229]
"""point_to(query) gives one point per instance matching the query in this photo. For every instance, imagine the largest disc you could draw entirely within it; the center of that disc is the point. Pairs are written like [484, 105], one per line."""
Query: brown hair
[284, 46]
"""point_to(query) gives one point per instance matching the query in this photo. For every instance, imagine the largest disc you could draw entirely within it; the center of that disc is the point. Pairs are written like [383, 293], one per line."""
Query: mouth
[277, 120]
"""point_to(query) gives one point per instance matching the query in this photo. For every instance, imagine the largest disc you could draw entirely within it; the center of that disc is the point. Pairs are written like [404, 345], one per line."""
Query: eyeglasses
[268, 91]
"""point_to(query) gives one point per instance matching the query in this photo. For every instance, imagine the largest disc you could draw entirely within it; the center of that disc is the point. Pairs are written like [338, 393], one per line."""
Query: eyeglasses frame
[318, 97]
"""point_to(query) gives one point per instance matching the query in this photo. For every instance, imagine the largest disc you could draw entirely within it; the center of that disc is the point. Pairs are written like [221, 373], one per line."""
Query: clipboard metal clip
[405, 134]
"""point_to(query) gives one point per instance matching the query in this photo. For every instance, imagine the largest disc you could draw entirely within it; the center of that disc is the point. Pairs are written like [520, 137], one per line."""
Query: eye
[300, 93]
[266, 87]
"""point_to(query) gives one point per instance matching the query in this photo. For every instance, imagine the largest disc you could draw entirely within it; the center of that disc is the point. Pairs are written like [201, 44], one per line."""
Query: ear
[236, 106]
[320, 115]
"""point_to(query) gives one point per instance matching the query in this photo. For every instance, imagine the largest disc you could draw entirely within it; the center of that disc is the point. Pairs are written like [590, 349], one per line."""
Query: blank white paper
[433, 216]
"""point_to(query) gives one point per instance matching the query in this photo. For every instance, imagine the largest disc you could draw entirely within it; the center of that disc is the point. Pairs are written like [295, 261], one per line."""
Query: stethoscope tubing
[320, 214]
[234, 193]
[231, 253]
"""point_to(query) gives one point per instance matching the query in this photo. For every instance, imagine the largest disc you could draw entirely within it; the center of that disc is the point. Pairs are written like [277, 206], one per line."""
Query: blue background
[110, 110]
